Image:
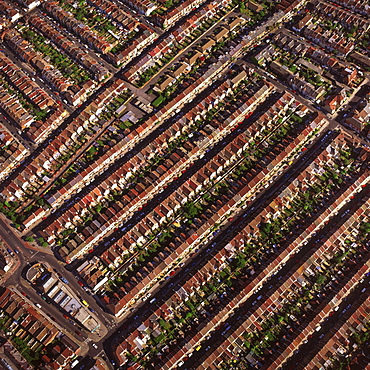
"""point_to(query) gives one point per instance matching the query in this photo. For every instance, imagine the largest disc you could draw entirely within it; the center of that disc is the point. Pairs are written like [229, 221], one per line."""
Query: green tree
[239, 262]
[320, 279]
[191, 210]
[365, 228]
[41, 202]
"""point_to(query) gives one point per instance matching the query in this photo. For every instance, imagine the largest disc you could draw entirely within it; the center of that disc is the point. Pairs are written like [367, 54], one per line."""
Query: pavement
[181, 53]
[12, 127]
[334, 119]
[15, 263]
[31, 72]
[216, 338]
[331, 119]
[143, 310]
[80, 152]
[28, 254]
[353, 101]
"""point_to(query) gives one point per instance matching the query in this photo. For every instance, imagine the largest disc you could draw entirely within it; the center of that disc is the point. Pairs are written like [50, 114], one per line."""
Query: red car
[80, 283]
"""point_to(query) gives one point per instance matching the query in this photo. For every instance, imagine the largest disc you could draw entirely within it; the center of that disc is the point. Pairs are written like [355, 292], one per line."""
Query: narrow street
[28, 255]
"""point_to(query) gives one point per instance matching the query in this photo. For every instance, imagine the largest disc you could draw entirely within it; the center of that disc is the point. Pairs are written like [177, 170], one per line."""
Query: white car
[147, 296]
[95, 346]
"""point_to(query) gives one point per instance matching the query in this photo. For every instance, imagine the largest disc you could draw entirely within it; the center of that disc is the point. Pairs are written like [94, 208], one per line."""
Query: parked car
[44, 298]
[147, 296]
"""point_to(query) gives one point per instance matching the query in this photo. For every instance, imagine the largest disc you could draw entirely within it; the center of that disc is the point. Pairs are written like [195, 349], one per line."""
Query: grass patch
[158, 101]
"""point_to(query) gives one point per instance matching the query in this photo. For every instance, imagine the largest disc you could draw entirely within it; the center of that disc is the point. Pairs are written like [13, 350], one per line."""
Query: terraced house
[184, 184]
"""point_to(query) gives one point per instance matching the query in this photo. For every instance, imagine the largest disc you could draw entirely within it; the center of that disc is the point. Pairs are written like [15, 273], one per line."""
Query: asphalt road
[307, 351]
[154, 202]
[27, 256]
[171, 187]
[143, 311]
[53, 135]
[114, 331]
[350, 105]
[217, 337]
